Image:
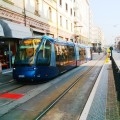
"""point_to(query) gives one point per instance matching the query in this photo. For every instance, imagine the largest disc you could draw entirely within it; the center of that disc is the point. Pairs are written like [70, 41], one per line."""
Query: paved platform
[112, 107]
[102, 103]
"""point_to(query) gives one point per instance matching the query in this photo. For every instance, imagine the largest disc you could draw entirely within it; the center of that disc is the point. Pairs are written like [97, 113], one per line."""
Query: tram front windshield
[27, 51]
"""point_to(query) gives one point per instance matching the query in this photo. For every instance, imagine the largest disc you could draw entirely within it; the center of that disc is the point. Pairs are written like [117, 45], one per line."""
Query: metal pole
[24, 12]
[80, 34]
[57, 18]
[9, 53]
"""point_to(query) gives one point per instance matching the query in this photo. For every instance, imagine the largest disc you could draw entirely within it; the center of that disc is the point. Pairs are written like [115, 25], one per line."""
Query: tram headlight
[34, 68]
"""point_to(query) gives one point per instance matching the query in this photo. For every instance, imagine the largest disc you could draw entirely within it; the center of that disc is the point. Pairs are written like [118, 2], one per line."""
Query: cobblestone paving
[112, 111]
[98, 107]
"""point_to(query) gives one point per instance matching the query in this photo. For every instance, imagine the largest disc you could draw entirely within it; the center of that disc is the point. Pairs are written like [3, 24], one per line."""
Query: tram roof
[41, 37]
[63, 42]
[57, 40]
[48, 38]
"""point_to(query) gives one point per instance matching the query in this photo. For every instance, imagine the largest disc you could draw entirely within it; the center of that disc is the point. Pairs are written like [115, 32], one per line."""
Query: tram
[43, 58]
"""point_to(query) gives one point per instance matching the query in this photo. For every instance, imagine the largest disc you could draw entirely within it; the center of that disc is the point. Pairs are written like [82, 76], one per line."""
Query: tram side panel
[88, 53]
[65, 57]
[46, 62]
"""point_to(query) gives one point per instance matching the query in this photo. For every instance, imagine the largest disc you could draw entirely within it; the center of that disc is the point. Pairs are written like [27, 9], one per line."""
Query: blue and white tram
[43, 58]
[88, 53]
[82, 54]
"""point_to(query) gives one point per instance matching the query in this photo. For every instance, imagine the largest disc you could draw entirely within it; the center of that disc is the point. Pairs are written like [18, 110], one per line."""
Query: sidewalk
[6, 75]
[6, 71]
[102, 103]
[112, 110]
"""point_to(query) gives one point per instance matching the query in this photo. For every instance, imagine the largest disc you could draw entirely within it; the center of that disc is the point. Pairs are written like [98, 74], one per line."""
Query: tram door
[44, 54]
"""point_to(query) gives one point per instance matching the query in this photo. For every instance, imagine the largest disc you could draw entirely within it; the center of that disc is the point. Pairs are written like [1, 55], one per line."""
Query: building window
[66, 24]
[66, 7]
[60, 20]
[74, 14]
[71, 11]
[50, 14]
[60, 2]
[36, 7]
[71, 27]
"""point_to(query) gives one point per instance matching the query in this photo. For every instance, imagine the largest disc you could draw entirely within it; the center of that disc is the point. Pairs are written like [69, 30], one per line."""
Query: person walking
[99, 50]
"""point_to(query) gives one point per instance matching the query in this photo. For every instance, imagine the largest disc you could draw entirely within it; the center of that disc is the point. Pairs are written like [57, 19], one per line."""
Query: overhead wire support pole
[24, 12]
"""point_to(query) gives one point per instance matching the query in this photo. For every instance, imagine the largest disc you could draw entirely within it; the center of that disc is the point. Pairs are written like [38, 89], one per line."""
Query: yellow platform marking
[107, 60]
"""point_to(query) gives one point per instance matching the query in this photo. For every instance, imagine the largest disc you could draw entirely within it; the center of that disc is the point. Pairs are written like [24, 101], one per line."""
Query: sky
[106, 15]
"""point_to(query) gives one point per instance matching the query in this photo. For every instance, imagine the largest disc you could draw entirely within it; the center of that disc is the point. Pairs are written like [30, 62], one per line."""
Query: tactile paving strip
[98, 107]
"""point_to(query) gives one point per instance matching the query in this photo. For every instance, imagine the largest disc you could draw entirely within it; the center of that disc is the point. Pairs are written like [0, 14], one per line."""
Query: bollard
[0, 68]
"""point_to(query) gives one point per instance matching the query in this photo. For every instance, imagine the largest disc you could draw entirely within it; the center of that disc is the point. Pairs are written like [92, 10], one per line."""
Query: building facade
[66, 19]
[82, 21]
[117, 43]
[97, 38]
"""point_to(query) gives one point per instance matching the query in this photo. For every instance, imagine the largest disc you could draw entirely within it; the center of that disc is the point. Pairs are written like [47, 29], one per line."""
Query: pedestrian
[99, 50]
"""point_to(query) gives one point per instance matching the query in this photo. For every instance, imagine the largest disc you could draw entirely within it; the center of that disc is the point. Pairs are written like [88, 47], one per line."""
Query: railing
[116, 73]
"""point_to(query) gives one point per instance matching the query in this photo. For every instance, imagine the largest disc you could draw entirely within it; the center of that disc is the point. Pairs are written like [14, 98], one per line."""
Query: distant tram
[43, 58]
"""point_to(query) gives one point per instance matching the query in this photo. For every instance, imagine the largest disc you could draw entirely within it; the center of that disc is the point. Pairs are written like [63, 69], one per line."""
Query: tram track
[9, 86]
[43, 113]
[47, 106]
[5, 83]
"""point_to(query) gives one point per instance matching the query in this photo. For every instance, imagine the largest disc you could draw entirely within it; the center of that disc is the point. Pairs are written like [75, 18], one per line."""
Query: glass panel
[59, 55]
[82, 53]
[64, 55]
[71, 53]
[44, 54]
[27, 51]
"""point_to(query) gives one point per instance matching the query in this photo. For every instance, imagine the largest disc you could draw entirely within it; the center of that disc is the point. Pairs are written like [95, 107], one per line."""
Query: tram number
[21, 76]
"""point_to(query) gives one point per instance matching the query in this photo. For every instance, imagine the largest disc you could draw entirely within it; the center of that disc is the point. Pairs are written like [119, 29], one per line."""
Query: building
[117, 43]
[97, 38]
[82, 21]
[66, 19]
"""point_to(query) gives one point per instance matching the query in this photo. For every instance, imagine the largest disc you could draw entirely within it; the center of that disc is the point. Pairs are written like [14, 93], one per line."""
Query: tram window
[71, 53]
[58, 54]
[80, 53]
[65, 54]
[44, 54]
[61, 55]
